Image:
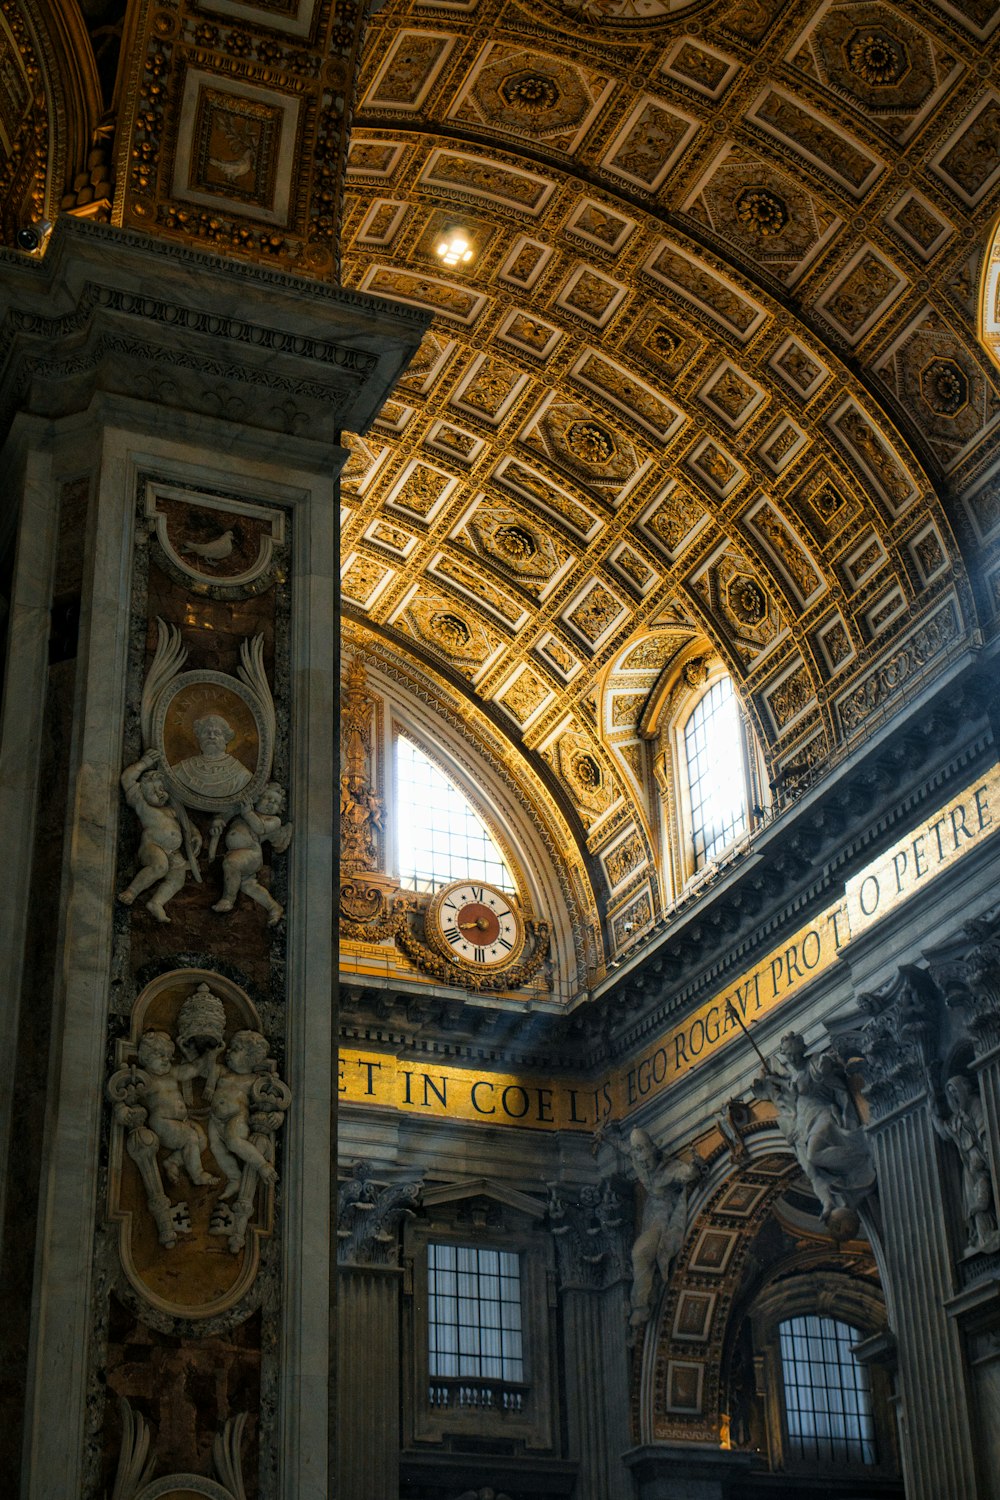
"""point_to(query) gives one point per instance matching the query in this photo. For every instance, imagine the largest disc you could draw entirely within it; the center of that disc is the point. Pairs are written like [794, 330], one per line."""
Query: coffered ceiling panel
[712, 362]
[705, 369]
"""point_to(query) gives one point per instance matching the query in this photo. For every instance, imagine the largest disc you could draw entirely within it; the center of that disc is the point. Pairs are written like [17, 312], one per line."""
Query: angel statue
[965, 1127]
[666, 1180]
[817, 1118]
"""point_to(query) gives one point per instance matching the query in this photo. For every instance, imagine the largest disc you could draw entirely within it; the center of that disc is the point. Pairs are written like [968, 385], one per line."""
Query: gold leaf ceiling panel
[710, 374]
[710, 382]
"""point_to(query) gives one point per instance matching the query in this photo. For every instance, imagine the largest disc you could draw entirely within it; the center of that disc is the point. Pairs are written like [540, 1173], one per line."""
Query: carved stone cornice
[897, 1039]
[112, 311]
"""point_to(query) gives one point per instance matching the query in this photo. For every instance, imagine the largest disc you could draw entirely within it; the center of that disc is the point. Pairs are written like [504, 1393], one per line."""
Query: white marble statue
[817, 1118]
[965, 1127]
[229, 1088]
[167, 1113]
[166, 830]
[155, 1104]
[665, 1180]
[244, 856]
[214, 772]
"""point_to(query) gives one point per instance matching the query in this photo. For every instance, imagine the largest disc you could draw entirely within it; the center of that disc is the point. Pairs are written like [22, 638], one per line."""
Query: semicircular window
[439, 835]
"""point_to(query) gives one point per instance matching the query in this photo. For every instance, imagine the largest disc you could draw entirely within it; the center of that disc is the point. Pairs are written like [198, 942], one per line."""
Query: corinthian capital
[897, 1039]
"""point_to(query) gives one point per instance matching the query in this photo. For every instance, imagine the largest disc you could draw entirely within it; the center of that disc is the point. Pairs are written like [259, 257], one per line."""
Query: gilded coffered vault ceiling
[712, 379]
[712, 374]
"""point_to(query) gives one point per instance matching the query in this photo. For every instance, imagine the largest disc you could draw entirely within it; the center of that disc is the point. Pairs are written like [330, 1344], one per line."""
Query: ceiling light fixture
[455, 249]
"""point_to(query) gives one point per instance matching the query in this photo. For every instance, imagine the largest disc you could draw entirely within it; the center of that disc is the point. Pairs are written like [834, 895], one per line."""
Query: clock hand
[480, 924]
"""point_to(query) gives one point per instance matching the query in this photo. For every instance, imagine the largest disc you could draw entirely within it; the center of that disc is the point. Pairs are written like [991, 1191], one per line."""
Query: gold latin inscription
[538, 1103]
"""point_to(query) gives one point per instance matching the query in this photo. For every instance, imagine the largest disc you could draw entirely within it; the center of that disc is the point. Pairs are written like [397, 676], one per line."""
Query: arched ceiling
[712, 375]
[712, 370]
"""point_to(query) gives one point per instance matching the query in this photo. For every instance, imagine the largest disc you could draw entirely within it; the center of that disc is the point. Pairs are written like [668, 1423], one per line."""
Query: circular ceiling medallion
[611, 16]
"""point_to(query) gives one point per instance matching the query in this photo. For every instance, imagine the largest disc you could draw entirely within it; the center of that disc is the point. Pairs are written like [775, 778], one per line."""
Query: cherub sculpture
[229, 1088]
[248, 1103]
[245, 1102]
[965, 1127]
[166, 829]
[167, 1112]
[244, 856]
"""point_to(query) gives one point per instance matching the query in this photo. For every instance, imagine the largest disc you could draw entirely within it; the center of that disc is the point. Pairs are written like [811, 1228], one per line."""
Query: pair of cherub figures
[227, 1090]
[170, 843]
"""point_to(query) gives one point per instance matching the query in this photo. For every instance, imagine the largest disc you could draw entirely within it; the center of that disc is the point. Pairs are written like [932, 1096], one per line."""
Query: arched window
[818, 1396]
[440, 836]
[716, 766]
[828, 1405]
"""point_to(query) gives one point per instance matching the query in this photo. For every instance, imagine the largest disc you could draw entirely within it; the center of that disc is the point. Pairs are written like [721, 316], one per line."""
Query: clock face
[477, 925]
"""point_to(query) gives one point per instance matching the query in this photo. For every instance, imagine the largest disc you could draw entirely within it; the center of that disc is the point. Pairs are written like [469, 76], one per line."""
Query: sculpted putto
[817, 1118]
[166, 829]
[164, 792]
[244, 856]
[230, 1088]
[241, 1101]
[167, 1112]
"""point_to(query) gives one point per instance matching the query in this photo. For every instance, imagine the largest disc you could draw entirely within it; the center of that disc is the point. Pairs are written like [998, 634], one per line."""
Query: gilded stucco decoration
[626, 415]
[718, 335]
[232, 126]
[382, 921]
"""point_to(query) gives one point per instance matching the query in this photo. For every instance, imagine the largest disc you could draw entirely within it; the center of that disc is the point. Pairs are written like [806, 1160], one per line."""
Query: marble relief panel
[480, 177]
[629, 397]
[410, 70]
[599, 226]
[294, 17]
[649, 144]
[918, 224]
[860, 294]
[236, 147]
[967, 163]
[706, 291]
[817, 140]
[700, 66]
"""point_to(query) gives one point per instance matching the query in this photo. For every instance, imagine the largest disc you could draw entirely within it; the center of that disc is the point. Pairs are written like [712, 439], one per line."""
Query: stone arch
[54, 109]
[680, 1395]
[685, 1374]
[988, 326]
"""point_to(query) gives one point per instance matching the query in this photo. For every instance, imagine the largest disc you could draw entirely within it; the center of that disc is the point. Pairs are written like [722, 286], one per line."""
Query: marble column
[124, 358]
[937, 1429]
[368, 1357]
[591, 1232]
[967, 971]
[597, 1388]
